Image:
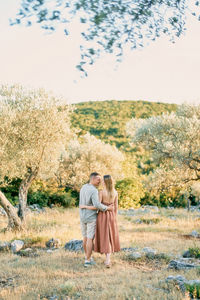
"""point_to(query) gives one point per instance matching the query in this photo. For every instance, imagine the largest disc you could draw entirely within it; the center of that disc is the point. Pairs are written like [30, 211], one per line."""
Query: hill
[107, 119]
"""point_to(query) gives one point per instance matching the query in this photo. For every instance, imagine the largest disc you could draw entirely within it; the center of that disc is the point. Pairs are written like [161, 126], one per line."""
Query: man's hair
[94, 174]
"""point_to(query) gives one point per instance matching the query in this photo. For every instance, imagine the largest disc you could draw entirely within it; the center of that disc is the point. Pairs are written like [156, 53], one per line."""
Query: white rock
[192, 282]
[148, 250]
[176, 278]
[28, 250]
[194, 233]
[178, 265]
[135, 255]
[17, 245]
[50, 251]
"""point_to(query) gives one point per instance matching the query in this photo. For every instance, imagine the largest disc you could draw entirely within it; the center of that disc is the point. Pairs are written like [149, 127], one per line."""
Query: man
[89, 196]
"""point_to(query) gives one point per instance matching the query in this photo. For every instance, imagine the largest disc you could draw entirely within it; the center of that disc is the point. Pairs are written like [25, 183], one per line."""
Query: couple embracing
[98, 211]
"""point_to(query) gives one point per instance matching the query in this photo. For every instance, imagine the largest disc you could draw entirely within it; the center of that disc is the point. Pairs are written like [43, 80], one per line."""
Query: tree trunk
[23, 192]
[188, 202]
[14, 222]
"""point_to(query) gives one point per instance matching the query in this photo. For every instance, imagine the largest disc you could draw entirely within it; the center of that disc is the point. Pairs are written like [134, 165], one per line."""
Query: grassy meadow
[61, 275]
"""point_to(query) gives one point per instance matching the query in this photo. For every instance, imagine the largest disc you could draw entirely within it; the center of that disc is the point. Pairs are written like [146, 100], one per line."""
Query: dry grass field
[61, 275]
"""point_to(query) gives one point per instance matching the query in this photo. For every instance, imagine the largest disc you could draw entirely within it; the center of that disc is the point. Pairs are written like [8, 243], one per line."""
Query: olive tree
[174, 141]
[110, 26]
[35, 129]
[84, 156]
[6, 118]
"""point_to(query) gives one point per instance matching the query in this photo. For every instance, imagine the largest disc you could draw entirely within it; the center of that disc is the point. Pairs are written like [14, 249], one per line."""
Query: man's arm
[88, 207]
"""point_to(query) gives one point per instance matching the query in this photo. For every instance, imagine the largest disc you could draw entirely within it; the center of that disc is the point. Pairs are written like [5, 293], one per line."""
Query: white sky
[162, 72]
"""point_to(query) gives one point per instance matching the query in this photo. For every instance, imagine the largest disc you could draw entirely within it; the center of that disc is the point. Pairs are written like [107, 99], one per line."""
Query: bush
[11, 190]
[164, 200]
[46, 198]
[64, 199]
[194, 290]
[74, 194]
[130, 192]
[38, 197]
[194, 252]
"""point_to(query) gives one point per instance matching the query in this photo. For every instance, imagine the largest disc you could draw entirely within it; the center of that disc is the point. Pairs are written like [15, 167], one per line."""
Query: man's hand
[110, 207]
[82, 206]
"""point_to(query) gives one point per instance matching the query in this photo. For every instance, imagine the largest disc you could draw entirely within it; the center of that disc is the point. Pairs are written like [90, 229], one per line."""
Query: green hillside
[107, 119]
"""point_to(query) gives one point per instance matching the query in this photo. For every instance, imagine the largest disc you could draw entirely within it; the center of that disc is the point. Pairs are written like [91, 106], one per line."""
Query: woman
[107, 235]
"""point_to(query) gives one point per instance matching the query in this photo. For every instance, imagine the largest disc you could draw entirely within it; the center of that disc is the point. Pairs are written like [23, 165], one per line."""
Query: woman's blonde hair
[109, 184]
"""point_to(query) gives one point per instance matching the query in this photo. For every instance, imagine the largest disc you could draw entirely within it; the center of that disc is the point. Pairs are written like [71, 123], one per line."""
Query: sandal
[107, 265]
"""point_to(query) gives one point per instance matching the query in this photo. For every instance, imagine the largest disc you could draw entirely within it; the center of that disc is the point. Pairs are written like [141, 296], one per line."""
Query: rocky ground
[159, 258]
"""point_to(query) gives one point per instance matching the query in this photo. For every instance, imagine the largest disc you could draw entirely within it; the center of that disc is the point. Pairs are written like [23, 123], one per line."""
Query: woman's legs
[107, 262]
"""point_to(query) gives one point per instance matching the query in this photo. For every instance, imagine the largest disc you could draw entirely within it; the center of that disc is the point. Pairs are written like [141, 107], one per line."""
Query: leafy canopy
[84, 156]
[174, 140]
[110, 26]
[34, 126]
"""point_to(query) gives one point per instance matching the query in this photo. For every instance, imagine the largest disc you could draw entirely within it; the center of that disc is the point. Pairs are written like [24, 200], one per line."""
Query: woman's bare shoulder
[116, 195]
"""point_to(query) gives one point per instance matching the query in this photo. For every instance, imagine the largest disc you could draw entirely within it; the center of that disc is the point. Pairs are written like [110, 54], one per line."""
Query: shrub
[64, 199]
[32, 241]
[150, 220]
[195, 252]
[164, 200]
[194, 290]
[11, 190]
[130, 192]
[46, 198]
[39, 197]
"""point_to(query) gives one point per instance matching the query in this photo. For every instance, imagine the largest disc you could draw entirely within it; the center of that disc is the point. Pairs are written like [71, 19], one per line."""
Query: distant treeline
[107, 119]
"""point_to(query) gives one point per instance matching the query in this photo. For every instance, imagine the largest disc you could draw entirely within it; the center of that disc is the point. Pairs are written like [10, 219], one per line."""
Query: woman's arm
[88, 207]
[116, 204]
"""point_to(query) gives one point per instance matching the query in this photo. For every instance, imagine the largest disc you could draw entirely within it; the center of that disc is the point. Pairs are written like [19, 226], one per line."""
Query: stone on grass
[181, 281]
[178, 265]
[178, 279]
[134, 255]
[53, 297]
[172, 218]
[149, 252]
[7, 282]
[193, 282]
[138, 221]
[187, 254]
[16, 245]
[74, 245]
[50, 251]
[175, 278]
[53, 243]
[194, 233]
[129, 249]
